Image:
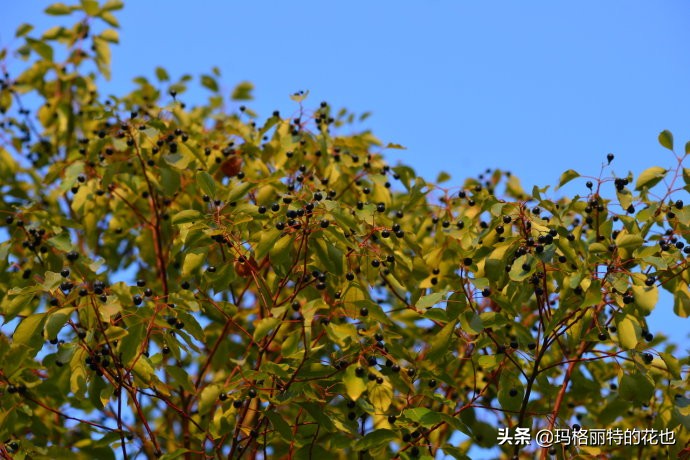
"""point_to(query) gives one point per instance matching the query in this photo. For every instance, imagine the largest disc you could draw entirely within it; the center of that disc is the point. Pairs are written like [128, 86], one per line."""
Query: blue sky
[532, 87]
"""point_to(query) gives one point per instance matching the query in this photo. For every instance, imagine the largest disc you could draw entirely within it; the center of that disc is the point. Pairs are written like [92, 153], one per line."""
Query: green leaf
[162, 74]
[392, 145]
[672, 364]
[624, 198]
[113, 5]
[264, 327]
[268, 239]
[77, 377]
[341, 334]
[170, 180]
[41, 48]
[143, 370]
[442, 177]
[56, 320]
[103, 56]
[58, 9]
[636, 387]
[318, 414]
[354, 385]
[206, 183]
[110, 35]
[666, 139]
[299, 96]
[90, 7]
[194, 258]
[30, 331]
[178, 160]
[625, 240]
[510, 391]
[109, 18]
[430, 300]
[209, 397]
[567, 177]
[471, 322]
[209, 83]
[177, 453]
[439, 342]
[425, 417]
[376, 438]
[627, 331]
[380, 395]
[23, 30]
[186, 216]
[488, 362]
[646, 298]
[242, 92]
[51, 280]
[130, 345]
[180, 377]
[517, 272]
[238, 191]
[650, 177]
[280, 425]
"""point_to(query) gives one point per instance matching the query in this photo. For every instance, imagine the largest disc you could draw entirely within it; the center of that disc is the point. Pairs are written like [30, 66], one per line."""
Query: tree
[297, 296]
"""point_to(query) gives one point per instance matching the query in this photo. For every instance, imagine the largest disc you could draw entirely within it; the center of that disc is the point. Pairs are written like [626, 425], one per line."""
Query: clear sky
[534, 87]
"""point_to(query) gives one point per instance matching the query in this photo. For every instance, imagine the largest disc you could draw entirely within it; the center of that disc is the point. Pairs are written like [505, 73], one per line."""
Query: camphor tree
[294, 296]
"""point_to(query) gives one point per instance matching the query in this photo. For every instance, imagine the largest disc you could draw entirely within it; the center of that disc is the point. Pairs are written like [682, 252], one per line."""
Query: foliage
[296, 296]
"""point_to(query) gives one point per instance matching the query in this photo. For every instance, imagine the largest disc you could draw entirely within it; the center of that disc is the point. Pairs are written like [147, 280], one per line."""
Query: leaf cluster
[195, 281]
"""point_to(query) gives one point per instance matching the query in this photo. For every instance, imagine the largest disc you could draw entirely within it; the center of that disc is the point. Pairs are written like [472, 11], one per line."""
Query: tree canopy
[187, 280]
